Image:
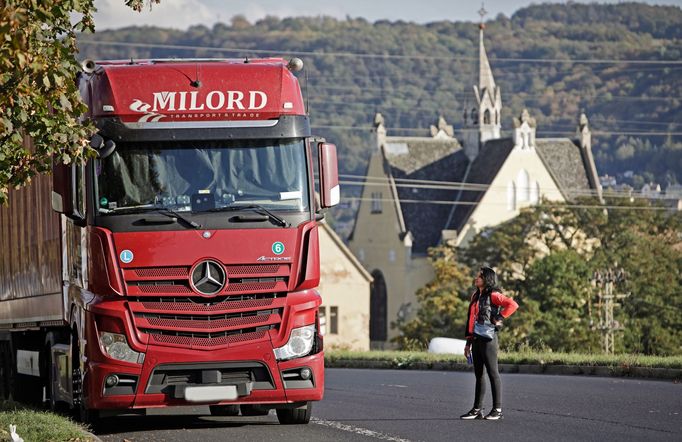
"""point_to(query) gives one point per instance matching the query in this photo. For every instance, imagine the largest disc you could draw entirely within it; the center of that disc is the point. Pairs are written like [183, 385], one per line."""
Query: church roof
[483, 171]
[409, 154]
[424, 159]
[566, 162]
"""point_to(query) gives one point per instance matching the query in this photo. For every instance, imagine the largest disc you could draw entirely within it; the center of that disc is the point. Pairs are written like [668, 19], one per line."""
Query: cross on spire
[482, 12]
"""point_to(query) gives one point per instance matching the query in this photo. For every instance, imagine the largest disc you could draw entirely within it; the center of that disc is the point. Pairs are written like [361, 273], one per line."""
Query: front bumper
[167, 372]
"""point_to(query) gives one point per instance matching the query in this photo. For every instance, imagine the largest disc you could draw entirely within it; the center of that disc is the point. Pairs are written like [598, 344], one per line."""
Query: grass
[36, 425]
[402, 358]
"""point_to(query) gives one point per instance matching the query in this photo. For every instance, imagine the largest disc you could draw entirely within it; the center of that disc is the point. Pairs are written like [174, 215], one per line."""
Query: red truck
[180, 266]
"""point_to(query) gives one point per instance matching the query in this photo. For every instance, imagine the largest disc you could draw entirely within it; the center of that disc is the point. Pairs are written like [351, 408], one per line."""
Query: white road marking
[358, 430]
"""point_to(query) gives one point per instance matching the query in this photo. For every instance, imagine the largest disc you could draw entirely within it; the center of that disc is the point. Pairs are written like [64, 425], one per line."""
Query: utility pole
[606, 282]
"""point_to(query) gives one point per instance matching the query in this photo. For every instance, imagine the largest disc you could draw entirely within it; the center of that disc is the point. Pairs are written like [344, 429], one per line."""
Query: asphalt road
[398, 405]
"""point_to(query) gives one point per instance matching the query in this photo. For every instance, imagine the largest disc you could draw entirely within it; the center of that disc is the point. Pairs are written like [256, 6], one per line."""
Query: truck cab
[189, 245]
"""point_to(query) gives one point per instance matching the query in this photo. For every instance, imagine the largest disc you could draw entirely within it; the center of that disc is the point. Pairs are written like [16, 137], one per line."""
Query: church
[422, 191]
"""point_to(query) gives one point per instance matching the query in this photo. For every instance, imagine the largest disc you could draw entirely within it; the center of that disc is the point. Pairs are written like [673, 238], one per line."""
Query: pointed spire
[487, 93]
[486, 82]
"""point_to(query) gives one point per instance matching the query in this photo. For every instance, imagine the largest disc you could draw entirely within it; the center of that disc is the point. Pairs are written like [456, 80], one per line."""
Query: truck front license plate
[211, 393]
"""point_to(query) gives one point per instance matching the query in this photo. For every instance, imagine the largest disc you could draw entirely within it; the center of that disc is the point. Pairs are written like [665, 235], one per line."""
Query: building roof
[431, 159]
[566, 162]
[409, 154]
[483, 171]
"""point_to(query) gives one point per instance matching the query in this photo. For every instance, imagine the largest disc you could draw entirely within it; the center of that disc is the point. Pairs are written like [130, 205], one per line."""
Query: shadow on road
[128, 424]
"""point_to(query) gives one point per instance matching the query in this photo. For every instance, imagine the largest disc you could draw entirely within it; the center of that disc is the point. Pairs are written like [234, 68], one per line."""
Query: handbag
[485, 330]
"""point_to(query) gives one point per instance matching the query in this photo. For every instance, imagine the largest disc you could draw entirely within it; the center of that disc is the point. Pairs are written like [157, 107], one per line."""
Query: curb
[673, 374]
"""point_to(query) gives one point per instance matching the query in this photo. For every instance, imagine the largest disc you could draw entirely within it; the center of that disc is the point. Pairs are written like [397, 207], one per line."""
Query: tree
[443, 302]
[546, 257]
[646, 242]
[559, 285]
[40, 106]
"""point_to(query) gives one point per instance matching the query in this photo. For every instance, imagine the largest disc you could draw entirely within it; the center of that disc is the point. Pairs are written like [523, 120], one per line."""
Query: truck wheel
[224, 410]
[254, 410]
[295, 416]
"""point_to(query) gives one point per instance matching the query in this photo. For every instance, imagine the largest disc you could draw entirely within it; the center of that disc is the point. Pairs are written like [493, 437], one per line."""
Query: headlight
[117, 347]
[300, 343]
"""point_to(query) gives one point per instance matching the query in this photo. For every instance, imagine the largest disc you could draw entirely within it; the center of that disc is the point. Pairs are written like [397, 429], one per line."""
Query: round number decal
[277, 248]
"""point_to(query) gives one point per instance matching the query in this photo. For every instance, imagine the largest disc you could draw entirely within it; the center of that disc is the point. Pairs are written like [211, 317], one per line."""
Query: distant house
[422, 191]
[345, 290]
[651, 190]
[608, 181]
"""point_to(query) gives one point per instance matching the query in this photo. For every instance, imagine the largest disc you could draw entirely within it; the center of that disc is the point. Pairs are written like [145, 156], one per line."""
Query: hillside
[556, 60]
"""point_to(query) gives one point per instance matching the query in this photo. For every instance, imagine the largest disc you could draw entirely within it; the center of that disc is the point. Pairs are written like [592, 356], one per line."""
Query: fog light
[111, 380]
[305, 374]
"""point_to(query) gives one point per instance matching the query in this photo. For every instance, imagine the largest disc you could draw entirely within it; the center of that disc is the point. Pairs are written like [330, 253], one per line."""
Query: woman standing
[488, 308]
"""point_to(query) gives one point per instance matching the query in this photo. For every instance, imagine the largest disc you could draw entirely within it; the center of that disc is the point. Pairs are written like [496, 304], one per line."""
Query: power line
[470, 203]
[437, 109]
[361, 180]
[547, 132]
[380, 56]
[507, 93]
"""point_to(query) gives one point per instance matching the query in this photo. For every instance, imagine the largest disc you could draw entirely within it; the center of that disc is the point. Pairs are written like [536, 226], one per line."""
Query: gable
[520, 181]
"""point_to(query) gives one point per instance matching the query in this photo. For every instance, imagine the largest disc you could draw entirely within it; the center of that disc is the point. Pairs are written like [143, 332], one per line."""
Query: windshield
[200, 176]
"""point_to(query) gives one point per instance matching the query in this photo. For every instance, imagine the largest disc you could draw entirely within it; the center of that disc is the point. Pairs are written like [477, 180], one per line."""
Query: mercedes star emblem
[208, 277]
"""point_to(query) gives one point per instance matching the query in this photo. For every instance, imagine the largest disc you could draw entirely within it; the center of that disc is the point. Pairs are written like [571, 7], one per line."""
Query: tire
[224, 410]
[295, 416]
[254, 410]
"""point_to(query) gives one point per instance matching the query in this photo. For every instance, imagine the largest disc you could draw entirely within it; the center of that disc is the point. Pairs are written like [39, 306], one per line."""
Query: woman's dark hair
[489, 278]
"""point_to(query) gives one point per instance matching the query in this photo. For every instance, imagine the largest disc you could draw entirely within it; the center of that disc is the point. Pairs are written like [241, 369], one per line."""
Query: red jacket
[507, 304]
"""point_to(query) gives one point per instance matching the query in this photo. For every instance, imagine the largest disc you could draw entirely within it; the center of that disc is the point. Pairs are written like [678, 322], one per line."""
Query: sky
[180, 14]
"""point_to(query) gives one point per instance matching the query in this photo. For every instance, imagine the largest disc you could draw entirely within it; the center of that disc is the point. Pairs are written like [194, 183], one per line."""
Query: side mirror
[330, 192]
[103, 148]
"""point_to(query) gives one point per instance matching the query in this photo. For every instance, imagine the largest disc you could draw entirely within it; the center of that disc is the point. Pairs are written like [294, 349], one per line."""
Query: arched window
[511, 196]
[486, 117]
[378, 308]
[474, 116]
[534, 192]
[522, 186]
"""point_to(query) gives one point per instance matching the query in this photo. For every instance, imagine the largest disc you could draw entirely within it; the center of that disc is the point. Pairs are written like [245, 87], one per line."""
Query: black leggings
[485, 353]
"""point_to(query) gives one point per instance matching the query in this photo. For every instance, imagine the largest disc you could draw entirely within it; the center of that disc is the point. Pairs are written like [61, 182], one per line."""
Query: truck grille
[175, 280]
[166, 309]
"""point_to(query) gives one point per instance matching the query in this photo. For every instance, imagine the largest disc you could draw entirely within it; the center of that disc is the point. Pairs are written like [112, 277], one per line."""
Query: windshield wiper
[160, 210]
[254, 207]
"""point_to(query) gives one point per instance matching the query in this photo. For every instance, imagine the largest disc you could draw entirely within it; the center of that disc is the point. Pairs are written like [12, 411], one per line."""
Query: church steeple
[487, 92]
[482, 121]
